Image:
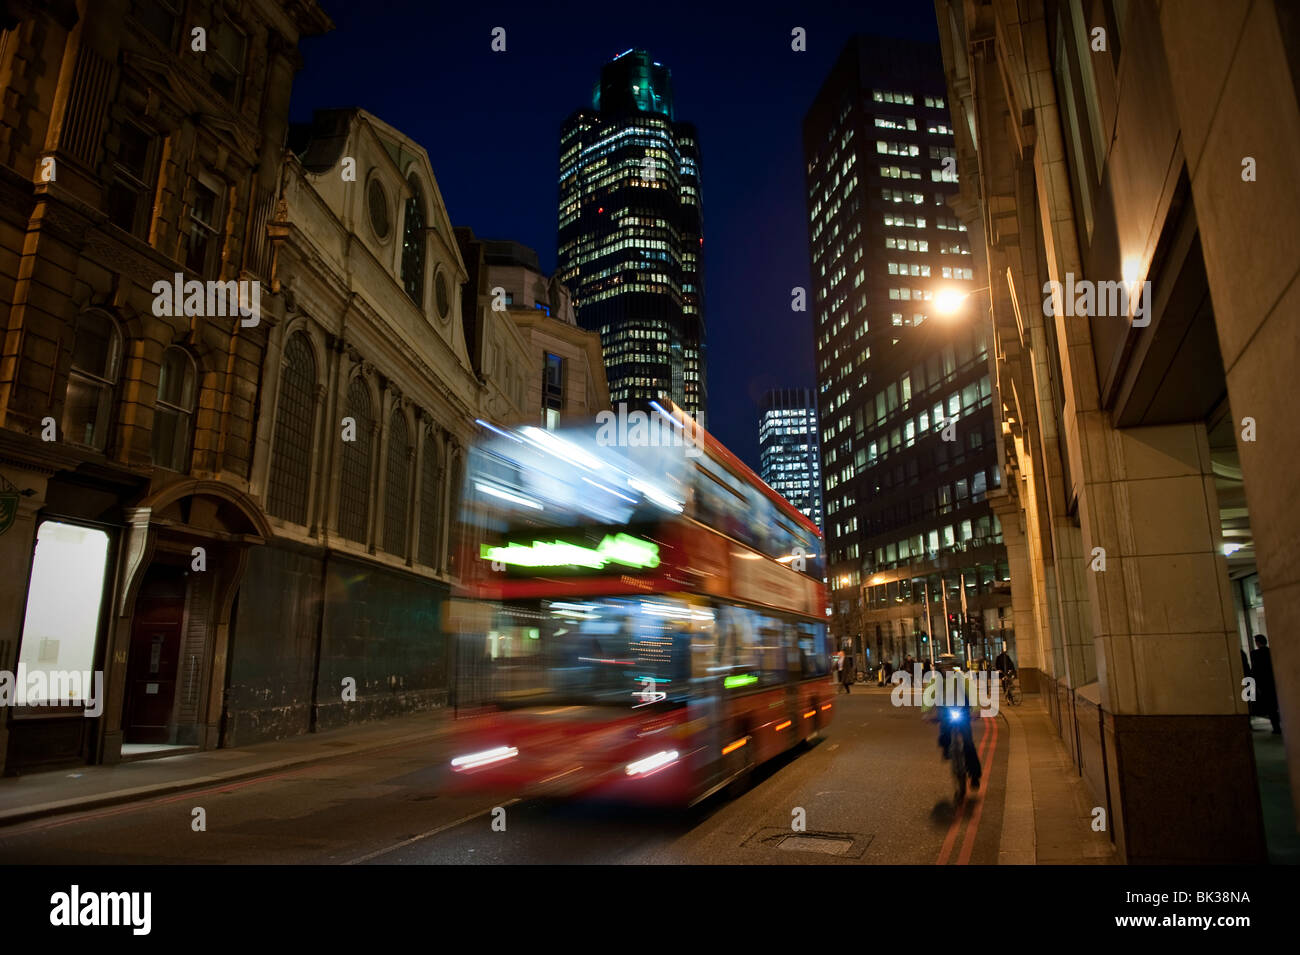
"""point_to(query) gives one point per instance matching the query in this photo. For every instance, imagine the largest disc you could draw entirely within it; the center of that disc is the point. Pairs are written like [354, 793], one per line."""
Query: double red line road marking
[972, 808]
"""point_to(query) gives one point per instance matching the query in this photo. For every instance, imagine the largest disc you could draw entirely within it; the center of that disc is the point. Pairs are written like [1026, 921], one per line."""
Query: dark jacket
[1261, 666]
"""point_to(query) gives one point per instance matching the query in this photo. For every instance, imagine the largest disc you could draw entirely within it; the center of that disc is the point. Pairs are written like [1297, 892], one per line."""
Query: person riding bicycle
[950, 716]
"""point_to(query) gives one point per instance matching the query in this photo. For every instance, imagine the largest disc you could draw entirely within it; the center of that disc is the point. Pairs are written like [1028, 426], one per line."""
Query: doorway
[151, 670]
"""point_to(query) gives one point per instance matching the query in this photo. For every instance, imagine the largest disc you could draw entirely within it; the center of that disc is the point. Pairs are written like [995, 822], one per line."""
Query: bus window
[772, 655]
[735, 647]
[750, 644]
[794, 653]
[704, 642]
[813, 649]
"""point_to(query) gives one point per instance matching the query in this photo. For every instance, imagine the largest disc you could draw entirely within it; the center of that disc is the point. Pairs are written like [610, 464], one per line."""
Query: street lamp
[949, 301]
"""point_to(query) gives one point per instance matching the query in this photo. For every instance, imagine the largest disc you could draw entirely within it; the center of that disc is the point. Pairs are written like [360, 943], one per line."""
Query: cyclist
[951, 717]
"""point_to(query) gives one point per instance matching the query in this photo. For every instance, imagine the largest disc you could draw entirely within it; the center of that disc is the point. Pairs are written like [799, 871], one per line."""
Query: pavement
[1048, 820]
[38, 795]
[874, 791]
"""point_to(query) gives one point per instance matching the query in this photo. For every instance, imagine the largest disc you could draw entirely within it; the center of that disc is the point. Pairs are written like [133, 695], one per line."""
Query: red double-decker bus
[640, 617]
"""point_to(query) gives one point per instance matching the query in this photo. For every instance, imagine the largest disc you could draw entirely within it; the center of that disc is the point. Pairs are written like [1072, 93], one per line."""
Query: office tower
[788, 448]
[630, 234]
[904, 393]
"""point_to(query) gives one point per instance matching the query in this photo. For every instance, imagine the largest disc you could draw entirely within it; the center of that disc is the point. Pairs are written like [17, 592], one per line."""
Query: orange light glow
[732, 747]
[783, 726]
[810, 713]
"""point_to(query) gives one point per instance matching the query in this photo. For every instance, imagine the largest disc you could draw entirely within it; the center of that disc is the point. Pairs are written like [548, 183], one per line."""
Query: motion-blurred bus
[640, 617]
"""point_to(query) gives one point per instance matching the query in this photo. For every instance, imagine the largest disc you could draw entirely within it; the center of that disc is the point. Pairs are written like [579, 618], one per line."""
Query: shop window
[64, 602]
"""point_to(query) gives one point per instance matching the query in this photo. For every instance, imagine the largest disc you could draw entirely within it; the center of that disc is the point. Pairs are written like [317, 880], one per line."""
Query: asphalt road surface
[873, 790]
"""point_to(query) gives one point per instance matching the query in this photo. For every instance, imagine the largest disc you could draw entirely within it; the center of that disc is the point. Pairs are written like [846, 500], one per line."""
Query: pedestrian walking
[846, 672]
[1261, 665]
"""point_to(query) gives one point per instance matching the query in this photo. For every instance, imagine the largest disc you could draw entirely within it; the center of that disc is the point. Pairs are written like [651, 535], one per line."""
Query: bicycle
[1011, 689]
[957, 748]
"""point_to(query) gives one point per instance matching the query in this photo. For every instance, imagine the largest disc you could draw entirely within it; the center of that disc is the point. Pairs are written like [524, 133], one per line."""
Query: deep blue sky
[490, 123]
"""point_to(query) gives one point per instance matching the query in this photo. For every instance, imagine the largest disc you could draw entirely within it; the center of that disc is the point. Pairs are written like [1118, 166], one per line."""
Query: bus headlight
[485, 758]
[651, 764]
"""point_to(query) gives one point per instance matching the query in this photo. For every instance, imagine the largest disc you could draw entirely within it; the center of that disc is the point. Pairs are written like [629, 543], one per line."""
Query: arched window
[430, 502]
[173, 410]
[354, 469]
[413, 244]
[295, 421]
[399, 485]
[96, 362]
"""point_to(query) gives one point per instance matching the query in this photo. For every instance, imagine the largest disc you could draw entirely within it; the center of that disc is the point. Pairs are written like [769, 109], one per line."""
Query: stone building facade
[139, 147]
[236, 388]
[370, 398]
[564, 370]
[1140, 155]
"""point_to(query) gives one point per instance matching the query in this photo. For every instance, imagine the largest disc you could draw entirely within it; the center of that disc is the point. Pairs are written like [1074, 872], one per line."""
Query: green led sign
[744, 679]
[614, 549]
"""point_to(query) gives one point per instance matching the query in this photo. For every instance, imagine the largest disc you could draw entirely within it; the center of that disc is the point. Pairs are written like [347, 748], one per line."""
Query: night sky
[490, 123]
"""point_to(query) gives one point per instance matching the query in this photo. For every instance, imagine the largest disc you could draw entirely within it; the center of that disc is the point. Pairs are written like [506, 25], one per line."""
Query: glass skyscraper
[788, 449]
[904, 395]
[631, 237]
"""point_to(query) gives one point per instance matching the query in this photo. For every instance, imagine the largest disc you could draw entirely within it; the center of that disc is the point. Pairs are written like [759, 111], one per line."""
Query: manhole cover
[806, 843]
[847, 845]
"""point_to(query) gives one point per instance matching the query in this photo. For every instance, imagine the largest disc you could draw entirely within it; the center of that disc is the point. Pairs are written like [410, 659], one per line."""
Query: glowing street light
[948, 302]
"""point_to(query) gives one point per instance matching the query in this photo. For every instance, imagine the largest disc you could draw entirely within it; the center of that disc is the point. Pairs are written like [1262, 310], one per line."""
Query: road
[874, 790]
